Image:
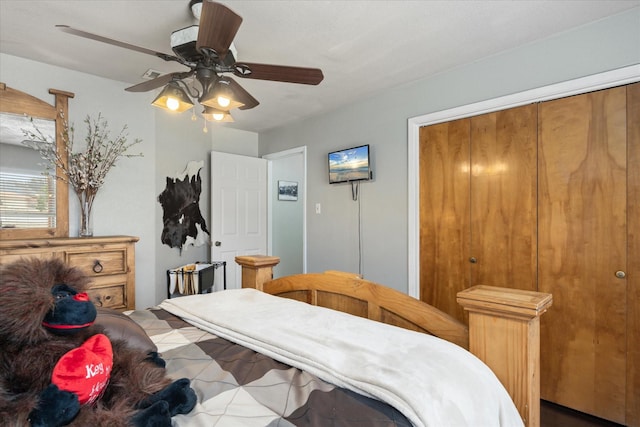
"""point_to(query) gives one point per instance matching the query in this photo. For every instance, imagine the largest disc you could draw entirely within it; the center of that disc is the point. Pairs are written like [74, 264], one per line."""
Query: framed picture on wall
[287, 190]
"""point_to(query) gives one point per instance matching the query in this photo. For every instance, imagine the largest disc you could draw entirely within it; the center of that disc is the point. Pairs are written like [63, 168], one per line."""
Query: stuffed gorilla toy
[59, 368]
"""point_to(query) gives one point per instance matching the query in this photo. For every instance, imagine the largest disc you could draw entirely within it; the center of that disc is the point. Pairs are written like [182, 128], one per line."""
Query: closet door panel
[503, 198]
[633, 266]
[582, 244]
[444, 214]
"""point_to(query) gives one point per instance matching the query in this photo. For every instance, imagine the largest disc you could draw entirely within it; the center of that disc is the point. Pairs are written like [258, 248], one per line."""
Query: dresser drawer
[7, 258]
[100, 262]
[108, 296]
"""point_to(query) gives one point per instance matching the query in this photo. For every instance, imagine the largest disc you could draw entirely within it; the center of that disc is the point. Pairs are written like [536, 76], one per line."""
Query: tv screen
[348, 165]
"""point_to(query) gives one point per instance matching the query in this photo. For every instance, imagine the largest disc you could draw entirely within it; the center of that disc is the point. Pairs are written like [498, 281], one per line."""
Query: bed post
[256, 269]
[504, 332]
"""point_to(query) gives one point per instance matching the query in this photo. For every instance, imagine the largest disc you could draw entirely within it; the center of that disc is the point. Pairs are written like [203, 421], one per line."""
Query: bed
[258, 359]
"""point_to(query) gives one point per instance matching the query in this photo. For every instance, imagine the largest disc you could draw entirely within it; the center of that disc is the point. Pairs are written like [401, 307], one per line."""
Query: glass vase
[86, 219]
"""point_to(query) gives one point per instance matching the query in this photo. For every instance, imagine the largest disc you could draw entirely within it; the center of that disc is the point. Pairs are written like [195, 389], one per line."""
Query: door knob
[218, 243]
[620, 274]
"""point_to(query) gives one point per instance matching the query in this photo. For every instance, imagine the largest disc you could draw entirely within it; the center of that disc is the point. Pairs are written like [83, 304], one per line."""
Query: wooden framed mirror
[27, 212]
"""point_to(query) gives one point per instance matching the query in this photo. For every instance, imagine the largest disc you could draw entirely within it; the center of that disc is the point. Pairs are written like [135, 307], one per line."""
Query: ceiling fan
[207, 50]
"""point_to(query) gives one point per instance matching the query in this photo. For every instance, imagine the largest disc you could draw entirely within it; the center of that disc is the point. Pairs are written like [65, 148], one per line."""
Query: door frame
[303, 186]
[590, 83]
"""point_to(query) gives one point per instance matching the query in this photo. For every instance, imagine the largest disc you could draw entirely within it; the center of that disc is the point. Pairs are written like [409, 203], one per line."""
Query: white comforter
[431, 381]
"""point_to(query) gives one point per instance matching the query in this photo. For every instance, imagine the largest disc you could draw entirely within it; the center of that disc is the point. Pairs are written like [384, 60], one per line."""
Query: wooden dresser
[109, 261]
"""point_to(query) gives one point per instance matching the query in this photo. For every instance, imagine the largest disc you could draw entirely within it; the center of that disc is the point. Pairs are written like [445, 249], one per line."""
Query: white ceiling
[361, 46]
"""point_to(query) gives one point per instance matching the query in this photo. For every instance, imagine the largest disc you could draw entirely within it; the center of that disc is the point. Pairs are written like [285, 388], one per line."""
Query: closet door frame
[594, 82]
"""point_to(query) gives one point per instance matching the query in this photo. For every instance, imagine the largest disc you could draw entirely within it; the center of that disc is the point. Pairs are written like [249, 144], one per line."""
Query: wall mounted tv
[352, 164]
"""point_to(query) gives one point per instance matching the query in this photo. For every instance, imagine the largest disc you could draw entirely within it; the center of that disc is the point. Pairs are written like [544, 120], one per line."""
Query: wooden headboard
[504, 324]
[350, 294]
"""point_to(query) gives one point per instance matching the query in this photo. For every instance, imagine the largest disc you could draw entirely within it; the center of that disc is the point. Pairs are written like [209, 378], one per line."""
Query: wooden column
[256, 269]
[504, 332]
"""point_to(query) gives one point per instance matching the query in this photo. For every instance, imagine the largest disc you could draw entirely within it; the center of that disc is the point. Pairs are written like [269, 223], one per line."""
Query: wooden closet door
[444, 214]
[582, 244]
[478, 205]
[633, 267]
[503, 198]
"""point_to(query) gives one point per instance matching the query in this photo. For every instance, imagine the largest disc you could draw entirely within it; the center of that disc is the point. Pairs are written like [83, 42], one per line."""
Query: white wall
[179, 140]
[234, 141]
[381, 121]
[127, 203]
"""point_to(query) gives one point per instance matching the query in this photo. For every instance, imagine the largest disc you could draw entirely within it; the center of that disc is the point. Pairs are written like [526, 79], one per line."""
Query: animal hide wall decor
[183, 224]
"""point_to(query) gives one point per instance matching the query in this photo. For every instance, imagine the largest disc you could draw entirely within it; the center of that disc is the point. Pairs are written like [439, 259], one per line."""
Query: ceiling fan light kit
[207, 50]
[211, 114]
[173, 98]
[221, 96]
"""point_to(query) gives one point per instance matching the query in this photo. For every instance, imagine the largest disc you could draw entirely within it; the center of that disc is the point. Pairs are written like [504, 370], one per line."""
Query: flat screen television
[352, 164]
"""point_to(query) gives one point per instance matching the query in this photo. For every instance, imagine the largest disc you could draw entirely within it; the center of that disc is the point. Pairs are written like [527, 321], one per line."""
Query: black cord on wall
[355, 189]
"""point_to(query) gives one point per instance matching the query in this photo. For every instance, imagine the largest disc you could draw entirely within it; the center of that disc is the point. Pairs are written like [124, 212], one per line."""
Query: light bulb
[223, 101]
[172, 104]
[218, 116]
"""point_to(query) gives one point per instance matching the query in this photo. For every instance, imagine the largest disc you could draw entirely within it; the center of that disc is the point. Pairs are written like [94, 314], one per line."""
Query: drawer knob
[103, 300]
[97, 267]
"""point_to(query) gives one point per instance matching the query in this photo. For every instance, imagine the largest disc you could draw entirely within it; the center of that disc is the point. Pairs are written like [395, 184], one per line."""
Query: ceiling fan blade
[218, 27]
[158, 82]
[242, 95]
[91, 36]
[278, 73]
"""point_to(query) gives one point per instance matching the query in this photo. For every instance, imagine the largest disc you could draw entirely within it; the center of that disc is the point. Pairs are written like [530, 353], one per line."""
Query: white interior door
[238, 210]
